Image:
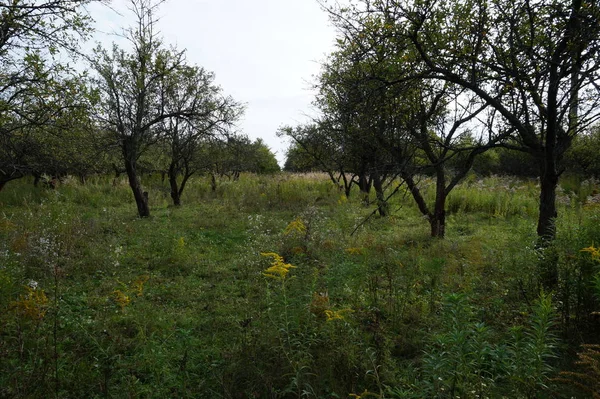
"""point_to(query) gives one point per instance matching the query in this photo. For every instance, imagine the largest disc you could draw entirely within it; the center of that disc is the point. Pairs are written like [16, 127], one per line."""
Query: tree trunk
[347, 184]
[416, 194]
[546, 228]
[382, 205]
[175, 193]
[438, 218]
[141, 200]
[213, 182]
[174, 187]
[364, 184]
[438, 223]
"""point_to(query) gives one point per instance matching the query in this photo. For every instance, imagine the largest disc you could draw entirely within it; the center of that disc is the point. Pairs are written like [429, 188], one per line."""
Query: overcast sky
[264, 53]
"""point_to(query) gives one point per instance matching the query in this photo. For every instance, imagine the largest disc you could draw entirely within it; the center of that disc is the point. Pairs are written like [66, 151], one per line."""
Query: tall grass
[95, 302]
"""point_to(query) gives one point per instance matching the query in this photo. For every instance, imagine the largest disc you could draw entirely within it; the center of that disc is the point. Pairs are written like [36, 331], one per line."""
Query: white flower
[33, 284]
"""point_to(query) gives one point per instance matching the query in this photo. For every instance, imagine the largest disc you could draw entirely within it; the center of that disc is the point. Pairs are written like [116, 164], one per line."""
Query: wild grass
[95, 302]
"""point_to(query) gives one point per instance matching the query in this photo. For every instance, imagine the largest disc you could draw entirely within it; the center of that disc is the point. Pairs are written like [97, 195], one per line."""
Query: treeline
[444, 88]
[141, 108]
[581, 160]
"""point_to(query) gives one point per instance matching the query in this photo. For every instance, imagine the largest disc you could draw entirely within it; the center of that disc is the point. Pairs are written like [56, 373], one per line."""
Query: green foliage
[178, 305]
[582, 157]
[262, 160]
[467, 360]
[299, 160]
[41, 94]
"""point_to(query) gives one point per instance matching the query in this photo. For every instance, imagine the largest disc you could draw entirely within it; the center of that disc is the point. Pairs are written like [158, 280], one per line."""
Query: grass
[178, 304]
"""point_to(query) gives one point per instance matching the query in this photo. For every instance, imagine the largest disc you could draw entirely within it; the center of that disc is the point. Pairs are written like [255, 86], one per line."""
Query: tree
[133, 86]
[583, 157]
[402, 128]
[323, 146]
[297, 159]
[191, 91]
[258, 158]
[32, 75]
[535, 63]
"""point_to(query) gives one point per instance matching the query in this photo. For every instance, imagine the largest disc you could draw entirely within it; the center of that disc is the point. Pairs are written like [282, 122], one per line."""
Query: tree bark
[364, 184]
[174, 190]
[382, 205]
[213, 182]
[438, 223]
[438, 218]
[174, 186]
[416, 194]
[141, 200]
[546, 228]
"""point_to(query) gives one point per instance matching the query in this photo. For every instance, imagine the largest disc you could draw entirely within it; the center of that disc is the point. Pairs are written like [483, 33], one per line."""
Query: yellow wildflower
[33, 304]
[343, 199]
[278, 269]
[296, 227]
[336, 314]
[138, 285]
[122, 299]
[595, 252]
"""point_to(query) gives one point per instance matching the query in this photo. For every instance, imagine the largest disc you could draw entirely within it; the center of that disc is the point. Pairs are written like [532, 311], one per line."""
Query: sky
[264, 53]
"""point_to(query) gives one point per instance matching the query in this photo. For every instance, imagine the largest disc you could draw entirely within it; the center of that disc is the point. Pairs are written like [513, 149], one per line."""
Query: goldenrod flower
[122, 299]
[336, 314]
[296, 227]
[138, 285]
[595, 252]
[33, 304]
[278, 269]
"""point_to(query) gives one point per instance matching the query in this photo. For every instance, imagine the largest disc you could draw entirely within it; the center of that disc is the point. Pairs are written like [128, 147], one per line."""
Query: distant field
[259, 290]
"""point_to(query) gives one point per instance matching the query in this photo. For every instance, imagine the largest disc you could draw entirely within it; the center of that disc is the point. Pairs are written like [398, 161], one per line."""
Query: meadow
[281, 287]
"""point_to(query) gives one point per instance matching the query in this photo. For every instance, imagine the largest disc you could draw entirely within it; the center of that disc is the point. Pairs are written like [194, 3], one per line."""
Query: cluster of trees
[140, 108]
[429, 86]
